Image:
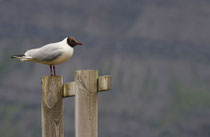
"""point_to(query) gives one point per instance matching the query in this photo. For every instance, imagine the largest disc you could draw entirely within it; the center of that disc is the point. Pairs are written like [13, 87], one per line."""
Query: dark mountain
[156, 51]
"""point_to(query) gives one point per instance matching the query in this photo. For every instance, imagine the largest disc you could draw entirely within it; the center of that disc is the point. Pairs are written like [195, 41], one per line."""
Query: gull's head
[73, 42]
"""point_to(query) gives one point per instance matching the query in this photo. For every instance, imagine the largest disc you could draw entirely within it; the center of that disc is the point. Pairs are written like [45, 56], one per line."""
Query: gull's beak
[79, 43]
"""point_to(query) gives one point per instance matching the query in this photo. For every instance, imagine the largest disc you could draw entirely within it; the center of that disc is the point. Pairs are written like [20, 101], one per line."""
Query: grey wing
[46, 53]
[50, 57]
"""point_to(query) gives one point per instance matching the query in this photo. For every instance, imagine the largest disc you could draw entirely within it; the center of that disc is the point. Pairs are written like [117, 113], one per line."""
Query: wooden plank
[69, 89]
[52, 106]
[104, 83]
[86, 103]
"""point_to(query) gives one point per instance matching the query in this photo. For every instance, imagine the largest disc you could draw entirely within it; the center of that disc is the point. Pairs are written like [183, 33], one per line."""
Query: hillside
[156, 51]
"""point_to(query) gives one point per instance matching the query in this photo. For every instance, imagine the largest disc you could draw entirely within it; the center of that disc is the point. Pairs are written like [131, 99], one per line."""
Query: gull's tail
[18, 56]
[23, 57]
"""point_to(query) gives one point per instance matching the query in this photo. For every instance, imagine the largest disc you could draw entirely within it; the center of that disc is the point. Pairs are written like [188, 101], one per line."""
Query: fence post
[52, 106]
[86, 103]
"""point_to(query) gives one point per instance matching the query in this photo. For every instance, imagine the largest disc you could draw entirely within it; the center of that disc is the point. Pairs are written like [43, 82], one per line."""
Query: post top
[86, 71]
[52, 76]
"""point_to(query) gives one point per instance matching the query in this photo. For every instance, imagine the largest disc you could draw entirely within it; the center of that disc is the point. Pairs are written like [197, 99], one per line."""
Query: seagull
[51, 54]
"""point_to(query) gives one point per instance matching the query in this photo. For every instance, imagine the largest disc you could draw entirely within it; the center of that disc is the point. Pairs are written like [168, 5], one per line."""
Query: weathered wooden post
[86, 87]
[86, 104]
[52, 106]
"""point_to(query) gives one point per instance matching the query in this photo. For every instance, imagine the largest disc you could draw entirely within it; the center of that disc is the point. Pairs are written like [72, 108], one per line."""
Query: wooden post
[85, 89]
[86, 103]
[52, 106]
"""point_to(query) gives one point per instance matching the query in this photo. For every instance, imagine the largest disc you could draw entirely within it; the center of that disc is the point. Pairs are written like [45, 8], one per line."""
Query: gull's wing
[46, 53]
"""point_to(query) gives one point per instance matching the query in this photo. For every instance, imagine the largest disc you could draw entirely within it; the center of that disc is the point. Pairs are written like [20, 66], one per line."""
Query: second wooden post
[52, 106]
[86, 103]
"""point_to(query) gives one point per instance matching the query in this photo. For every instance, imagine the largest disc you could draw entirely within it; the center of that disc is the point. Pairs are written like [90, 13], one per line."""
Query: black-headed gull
[51, 54]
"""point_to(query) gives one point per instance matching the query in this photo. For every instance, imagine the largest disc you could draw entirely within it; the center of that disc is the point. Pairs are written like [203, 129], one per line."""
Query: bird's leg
[51, 73]
[54, 70]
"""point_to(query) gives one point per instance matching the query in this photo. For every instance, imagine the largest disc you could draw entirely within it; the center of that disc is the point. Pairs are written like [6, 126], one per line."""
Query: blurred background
[157, 52]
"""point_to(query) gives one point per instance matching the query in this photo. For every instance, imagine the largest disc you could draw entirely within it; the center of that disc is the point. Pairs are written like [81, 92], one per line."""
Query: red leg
[51, 73]
[54, 70]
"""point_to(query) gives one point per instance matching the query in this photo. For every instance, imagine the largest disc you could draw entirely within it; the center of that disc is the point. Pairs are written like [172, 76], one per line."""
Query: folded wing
[45, 54]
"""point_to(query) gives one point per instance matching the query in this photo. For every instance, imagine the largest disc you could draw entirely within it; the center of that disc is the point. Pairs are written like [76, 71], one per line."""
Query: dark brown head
[73, 42]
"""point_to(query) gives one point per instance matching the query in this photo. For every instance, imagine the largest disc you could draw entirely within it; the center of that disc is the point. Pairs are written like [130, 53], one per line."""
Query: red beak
[79, 43]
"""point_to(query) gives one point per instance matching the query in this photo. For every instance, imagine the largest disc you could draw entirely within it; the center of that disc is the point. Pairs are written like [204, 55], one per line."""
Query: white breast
[67, 54]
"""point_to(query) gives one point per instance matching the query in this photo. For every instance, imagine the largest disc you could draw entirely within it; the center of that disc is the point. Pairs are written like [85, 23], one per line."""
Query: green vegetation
[149, 85]
[9, 126]
[15, 118]
[185, 102]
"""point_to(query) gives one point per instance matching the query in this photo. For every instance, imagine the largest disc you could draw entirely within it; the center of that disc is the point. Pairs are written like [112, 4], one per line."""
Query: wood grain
[69, 89]
[104, 83]
[86, 103]
[52, 106]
